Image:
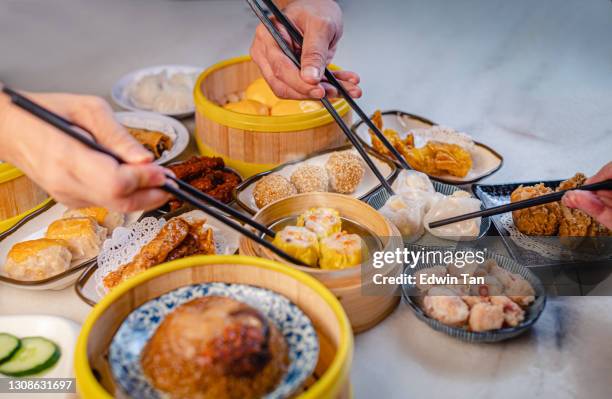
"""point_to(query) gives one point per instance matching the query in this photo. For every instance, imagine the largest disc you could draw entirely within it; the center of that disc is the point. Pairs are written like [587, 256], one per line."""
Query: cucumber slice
[9, 344]
[35, 355]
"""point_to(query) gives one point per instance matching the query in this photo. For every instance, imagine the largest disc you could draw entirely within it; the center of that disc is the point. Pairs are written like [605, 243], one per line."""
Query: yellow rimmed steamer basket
[365, 303]
[253, 144]
[19, 196]
[331, 376]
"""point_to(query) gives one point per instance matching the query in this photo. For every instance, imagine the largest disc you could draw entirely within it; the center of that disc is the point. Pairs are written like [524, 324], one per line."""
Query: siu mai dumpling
[37, 259]
[454, 205]
[322, 221]
[300, 243]
[84, 236]
[109, 219]
[340, 250]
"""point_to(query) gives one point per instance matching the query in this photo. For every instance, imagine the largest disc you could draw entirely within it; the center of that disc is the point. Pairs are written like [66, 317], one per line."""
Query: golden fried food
[437, 158]
[401, 145]
[540, 220]
[154, 253]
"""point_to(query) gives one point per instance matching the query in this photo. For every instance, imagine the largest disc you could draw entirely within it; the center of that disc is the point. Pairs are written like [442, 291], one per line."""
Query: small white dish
[485, 160]
[174, 129]
[62, 331]
[368, 185]
[34, 227]
[120, 90]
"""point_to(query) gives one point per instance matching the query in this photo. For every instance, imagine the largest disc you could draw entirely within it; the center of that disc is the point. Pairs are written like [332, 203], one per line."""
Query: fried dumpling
[109, 219]
[37, 259]
[83, 235]
[437, 158]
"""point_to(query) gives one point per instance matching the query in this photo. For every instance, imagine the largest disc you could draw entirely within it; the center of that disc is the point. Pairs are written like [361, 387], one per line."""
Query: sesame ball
[310, 178]
[272, 188]
[345, 170]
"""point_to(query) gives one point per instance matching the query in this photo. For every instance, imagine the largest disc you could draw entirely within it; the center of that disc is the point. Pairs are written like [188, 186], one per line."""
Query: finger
[591, 204]
[353, 90]
[285, 71]
[96, 115]
[278, 87]
[317, 38]
[145, 199]
[347, 76]
[603, 174]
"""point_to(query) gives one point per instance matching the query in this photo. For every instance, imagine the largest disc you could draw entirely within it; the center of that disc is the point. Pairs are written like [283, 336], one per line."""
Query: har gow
[406, 215]
[454, 205]
[145, 90]
[172, 100]
[409, 180]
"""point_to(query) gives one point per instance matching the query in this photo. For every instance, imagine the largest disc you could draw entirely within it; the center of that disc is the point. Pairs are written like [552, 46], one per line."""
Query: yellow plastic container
[323, 309]
[19, 196]
[252, 143]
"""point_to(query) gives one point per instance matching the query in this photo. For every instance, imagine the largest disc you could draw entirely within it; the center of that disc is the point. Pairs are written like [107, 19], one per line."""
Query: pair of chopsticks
[296, 36]
[544, 199]
[184, 191]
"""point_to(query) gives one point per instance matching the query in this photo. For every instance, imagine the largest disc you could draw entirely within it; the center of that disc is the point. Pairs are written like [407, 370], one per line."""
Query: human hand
[69, 171]
[320, 22]
[598, 204]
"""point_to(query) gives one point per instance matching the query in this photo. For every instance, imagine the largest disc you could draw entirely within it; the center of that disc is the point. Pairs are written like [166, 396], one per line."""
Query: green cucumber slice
[35, 355]
[9, 344]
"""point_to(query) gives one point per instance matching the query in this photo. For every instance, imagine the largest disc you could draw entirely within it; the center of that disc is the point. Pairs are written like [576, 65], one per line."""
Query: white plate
[35, 228]
[369, 183]
[152, 121]
[63, 332]
[120, 95]
[485, 160]
[91, 290]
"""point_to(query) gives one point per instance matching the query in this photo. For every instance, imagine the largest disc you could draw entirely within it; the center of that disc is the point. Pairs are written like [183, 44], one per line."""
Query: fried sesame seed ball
[345, 170]
[310, 178]
[540, 220]
[272, 188]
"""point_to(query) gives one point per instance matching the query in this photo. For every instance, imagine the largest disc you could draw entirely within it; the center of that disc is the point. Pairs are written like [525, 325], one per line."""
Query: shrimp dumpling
[412, 180]
[173, 99]
[144, 92]
[406, 215]
[454, 205]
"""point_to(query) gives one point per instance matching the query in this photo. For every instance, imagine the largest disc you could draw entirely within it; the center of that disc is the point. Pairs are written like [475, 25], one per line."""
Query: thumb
[314, 55]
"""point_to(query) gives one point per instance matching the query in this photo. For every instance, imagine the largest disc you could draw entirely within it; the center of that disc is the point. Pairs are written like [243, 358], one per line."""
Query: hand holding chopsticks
[181, 190]
[259, 10]
[544, 199]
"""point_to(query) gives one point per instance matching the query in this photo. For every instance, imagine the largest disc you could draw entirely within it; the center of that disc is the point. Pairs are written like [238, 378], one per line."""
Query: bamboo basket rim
[7, 225]
[88, 386]
[9, 172]
[258, 123]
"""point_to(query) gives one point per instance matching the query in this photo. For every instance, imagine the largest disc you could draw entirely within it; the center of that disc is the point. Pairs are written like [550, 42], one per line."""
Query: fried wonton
[437, 158]
[401, 145]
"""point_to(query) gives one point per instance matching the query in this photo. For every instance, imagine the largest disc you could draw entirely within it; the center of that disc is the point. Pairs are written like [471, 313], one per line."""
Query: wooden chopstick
[544, 199]
[265, 20]
[297, 37]
[188, 193]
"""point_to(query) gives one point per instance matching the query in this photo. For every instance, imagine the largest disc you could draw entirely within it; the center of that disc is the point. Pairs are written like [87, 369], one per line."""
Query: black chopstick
[544, 199]
[265, 20]
[190, 194]
[297, 37]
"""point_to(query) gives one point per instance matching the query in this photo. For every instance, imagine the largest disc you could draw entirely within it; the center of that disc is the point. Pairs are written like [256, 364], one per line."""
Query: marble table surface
[531, 79]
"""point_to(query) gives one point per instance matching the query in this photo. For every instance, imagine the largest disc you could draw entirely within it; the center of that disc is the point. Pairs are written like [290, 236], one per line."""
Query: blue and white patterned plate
[141, 324]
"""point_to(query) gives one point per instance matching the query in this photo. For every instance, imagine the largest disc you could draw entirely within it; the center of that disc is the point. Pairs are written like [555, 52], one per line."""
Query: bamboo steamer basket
[365, 304]
[253, 144]
[331, 377]
[19, 196]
